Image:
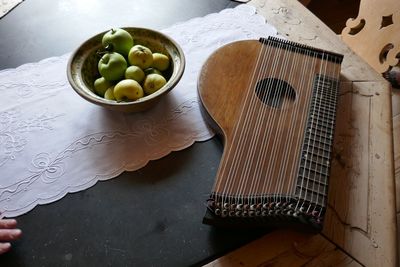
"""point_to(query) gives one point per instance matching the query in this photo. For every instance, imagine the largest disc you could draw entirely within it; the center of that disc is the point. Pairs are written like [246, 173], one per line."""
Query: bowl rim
[95, 99]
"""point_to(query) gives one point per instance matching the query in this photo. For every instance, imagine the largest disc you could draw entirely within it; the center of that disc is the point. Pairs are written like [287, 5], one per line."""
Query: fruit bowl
[82, 69]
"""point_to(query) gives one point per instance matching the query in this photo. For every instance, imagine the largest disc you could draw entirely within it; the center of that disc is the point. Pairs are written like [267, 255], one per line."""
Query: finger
[9, 234]
[8, 223]
[4, 247]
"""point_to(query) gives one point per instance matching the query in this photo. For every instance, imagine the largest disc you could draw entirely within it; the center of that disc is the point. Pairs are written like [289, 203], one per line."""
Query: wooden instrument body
[263, 139]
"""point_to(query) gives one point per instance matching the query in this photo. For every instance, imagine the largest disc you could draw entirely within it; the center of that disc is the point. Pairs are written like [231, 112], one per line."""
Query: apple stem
[101, 52]
[109, 48]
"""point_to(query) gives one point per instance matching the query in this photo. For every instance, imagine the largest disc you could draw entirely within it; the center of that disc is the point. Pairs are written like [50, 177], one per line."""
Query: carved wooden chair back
[375, 33]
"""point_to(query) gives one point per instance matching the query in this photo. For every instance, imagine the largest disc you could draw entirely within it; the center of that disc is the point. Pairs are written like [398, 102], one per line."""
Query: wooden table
[360, 227]
[101, 226]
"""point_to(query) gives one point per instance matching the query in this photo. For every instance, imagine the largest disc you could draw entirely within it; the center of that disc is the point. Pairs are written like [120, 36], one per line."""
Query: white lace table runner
[7, 5]
[53, 142]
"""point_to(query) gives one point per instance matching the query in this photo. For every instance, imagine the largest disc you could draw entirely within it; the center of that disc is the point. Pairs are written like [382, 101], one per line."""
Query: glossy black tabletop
[151, 217]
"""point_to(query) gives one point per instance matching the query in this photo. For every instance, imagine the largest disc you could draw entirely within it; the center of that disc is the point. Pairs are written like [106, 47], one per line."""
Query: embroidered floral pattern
[12, 130]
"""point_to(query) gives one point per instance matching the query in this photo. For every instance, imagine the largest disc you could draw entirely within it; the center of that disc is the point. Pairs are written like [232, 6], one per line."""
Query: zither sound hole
[275, 93]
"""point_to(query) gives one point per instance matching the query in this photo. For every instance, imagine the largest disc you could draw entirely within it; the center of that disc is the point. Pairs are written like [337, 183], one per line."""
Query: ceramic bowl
[82, 68]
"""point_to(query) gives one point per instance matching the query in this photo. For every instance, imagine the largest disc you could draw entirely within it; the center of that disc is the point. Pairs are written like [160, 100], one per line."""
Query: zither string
[254, 174]
[319, 174]
[304, 183]
[249, 120]
[296, 115]
[269, 119]
[224, 171]
[333, 94]
[313, 133]
[306, 84]
[243, 128]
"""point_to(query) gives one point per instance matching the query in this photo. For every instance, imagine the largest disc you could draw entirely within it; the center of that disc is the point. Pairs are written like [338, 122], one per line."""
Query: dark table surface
[151, 217]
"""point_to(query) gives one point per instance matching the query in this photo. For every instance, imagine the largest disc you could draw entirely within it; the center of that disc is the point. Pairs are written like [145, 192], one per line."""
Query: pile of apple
[128, 72]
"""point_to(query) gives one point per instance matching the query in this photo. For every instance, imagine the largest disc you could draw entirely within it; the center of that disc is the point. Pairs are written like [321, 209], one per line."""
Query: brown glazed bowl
[82, 68]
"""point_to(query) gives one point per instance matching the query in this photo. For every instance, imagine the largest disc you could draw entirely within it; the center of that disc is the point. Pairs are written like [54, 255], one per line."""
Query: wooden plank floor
[335, 14]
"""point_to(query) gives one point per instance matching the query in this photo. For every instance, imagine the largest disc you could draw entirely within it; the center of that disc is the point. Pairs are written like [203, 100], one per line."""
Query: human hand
[8, 232]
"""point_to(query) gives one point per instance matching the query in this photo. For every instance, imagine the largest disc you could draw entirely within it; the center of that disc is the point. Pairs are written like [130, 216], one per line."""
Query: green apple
[109, 94]
[128, 89]
[101, 85]
[151, 71]
[160, 61]
[153, 82]
[134, 73]
[112, 66]
[140, 56]
[118, 40]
